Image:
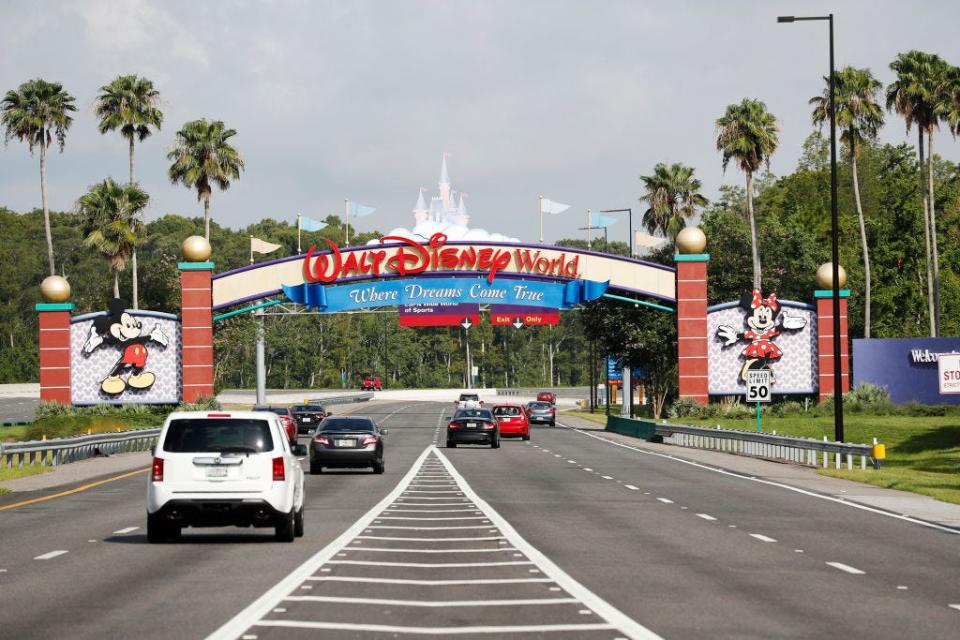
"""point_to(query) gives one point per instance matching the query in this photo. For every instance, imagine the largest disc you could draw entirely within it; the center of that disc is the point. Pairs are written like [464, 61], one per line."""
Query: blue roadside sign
[614, 369]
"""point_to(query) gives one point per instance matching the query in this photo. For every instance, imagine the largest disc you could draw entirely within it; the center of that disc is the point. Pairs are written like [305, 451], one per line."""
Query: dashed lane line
[430, 583]
[436, 631]
[434, 603]
[51, 554]
[430, 565]
[847, 568]
[631, 487]
[401, 539]
[763, 538]
[120, 532]
[665, 500]
[954, 606]
[706, 516]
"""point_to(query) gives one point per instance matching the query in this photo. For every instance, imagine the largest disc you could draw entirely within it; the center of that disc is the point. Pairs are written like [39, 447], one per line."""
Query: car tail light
[552, 410]
[278, 474]
[157, 470]
[368, 440]
[324, 440]
[454, 425]
[489, 425]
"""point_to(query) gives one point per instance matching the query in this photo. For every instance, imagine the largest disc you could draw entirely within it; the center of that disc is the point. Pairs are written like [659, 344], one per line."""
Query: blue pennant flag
[599, 221]
[309, 224]
[358, 210]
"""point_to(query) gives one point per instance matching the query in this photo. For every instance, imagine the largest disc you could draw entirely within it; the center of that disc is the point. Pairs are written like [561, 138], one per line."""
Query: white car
[215, 469]
[469, 401]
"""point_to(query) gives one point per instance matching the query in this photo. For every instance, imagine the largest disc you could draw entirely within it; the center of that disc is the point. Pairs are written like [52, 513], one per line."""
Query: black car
[308, 416]
[473, 426]
[347, 441]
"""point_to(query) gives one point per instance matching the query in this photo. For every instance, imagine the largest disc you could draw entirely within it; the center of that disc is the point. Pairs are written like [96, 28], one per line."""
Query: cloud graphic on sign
[425, 229]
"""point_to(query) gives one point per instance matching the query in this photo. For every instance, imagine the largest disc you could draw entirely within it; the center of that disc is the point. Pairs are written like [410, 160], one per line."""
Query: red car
[371, 383]
[547, 396]
[286, 419]
[513, 420]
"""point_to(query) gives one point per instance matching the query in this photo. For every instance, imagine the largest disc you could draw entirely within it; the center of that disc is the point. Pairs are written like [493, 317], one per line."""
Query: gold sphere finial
[691, 240]
[825, 276]
[196, 249]
[55, 289]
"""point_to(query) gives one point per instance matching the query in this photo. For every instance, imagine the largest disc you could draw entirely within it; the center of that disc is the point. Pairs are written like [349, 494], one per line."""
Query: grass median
[13, 473]
[923, 453]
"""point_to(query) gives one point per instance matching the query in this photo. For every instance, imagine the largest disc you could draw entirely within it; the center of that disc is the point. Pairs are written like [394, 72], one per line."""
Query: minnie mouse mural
[764, 323]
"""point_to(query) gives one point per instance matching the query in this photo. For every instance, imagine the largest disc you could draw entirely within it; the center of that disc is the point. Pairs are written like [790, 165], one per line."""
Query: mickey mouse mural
[121, 329]
[764, 323]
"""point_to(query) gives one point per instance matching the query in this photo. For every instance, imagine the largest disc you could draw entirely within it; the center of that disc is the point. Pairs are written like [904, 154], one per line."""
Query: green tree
[35, 113]
[673, 195]
[202, 157]
[859, 117]
[130, 104]
[747, 134]
[918, 93]
[111, 222]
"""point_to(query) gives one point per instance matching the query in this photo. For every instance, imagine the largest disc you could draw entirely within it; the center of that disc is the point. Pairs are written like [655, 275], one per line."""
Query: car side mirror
[329, 413]
[300, 450]
[384, 431]
[449, 418]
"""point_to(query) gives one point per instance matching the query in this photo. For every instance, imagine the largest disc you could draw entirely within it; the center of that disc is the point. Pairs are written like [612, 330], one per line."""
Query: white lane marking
[265, 603]
[587, 469]
[497, 550]
[705, 516]
[120, 532]
[434, 603]
[665, 500]
[604, 609]
[435, 631]
[762, 538]
[431, 565]
[954, 606]
[419, 491]
[901, 587]
[631, 487]
[390, 526]
[798, 550]
[431, 511]
[771, 483]
[430, 539]
[51, 554]
[429, 583]
[846, 567]
[607, 477]
[572, 461]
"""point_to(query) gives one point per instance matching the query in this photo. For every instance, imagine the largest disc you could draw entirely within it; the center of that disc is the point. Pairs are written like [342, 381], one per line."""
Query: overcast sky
[569, 99]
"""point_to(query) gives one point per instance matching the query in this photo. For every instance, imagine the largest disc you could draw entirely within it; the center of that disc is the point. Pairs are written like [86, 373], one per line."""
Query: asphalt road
[17, 409]
[567, 536]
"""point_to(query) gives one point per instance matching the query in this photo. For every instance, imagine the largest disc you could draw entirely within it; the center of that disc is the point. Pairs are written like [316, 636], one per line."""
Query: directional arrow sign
[517, 322]
[466, 324]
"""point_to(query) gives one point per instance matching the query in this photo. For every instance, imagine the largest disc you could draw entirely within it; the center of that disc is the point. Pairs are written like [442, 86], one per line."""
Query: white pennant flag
[645, 240]
[262, 246]
[553, 208]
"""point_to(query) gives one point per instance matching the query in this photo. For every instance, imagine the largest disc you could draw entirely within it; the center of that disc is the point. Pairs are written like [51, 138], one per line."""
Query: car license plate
[216, 472]
[345, 442]
[471, 425]
[306, 419]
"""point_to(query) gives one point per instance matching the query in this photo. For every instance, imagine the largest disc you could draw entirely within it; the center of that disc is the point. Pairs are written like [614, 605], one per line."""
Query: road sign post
[758, 390]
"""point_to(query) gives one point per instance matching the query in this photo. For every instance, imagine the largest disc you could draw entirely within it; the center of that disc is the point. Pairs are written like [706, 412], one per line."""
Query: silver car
[542, 412]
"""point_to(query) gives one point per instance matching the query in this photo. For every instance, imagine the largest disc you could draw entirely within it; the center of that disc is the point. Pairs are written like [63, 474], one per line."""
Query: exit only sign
[949, 369]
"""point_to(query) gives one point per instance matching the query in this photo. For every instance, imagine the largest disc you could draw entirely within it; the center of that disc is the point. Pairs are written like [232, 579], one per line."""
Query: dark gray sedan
[347, 441]
[542, 412]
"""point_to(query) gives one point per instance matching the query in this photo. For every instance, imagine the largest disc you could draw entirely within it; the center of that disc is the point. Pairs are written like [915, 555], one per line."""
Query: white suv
[214, 469]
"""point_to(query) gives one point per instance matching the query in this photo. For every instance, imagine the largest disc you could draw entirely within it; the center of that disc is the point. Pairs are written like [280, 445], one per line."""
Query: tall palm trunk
[133, 255]
[926, 237]
[755, 250]
[933, 235]
[206, 216]
[116, 283]
[43, 198]
[863, 243]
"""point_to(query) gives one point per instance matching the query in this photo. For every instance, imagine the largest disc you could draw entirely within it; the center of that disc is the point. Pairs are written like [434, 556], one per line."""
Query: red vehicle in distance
[547, 396]
[371, 383]
[286, 419]
[513, 420]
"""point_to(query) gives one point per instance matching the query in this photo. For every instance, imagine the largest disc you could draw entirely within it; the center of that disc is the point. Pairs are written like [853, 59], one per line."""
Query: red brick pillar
[825, 342]
[692, 325]
[55, 351]
[196, 316]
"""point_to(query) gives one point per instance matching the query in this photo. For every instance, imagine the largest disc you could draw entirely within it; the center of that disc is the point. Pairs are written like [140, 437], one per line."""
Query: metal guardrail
[562, 392]
[58, 451]
[348, 398]
[762, 445]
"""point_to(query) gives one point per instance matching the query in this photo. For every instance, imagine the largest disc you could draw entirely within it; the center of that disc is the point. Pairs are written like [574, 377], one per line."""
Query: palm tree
[859, 117]
[918, 93]
[35, 113]
[747, 133]
[130, 104]
[202, 157]
[110, 214]
[673, 195]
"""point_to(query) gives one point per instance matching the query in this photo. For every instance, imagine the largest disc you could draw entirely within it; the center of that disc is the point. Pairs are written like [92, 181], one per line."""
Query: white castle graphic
[446, 213]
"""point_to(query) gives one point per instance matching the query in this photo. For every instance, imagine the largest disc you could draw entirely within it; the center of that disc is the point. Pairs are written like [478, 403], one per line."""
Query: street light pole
[629, 211]
[835, 235]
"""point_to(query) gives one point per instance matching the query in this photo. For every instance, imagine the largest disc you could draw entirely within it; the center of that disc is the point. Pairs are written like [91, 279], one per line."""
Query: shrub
[683, 408]
[738, 412]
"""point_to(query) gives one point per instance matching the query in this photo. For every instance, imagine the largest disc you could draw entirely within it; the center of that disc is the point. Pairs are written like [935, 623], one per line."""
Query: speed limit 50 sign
[758, 386]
